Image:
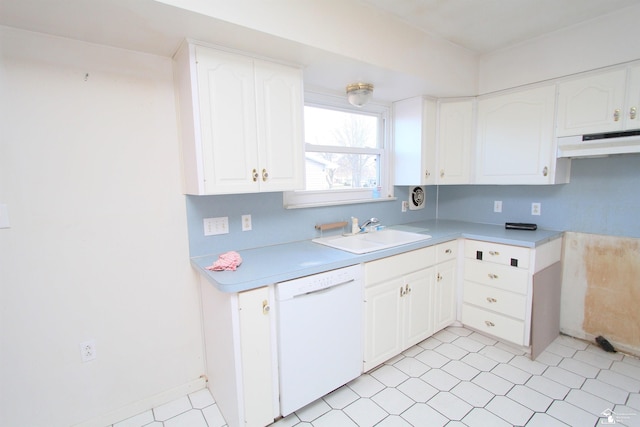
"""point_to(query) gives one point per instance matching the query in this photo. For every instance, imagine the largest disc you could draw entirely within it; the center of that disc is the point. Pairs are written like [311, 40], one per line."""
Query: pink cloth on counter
[227, 261]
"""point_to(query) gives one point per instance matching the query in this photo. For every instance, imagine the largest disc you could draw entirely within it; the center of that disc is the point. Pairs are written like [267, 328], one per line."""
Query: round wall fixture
[417, 198]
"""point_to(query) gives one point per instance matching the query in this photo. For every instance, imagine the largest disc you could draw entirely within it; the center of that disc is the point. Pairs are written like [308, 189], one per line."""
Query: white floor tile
[511, 348]
[288, 421]
[440, 379]
[634, 401]
[472, 394]
[459, 330]
[413, 351]
[526, 364]
[341, 397]
[365, 412]
[334, 419]
[497, 354]
[480, 362]
[214, 417]
[389, 375]
[548, 387]
[532, 399]
[412, 367]
[626, 416]
[468, 344]
[201, 399]
[572, 342]
[446, 336]
[393, 421]
[460, 370]
[432, 359]
[593, 359]
[580, 368]
[627, 369]
[564, 377]
[430, 343]
[313, 410]
[417, 389]
[493, 383]
[172, 409]
[619, 380]
[549, 358]
[511, 373]
[605, 391]
[480, 417]
[451, 351]
[588, 401]
[484, 339]
[570, 414]
[632, 360]
[596, 349]
[187, 419]
[422, 414]
[509, 410]
[393, 401]
[544, 420]
[561, 350]
[137, 421]
[450, 405]
[365, 385]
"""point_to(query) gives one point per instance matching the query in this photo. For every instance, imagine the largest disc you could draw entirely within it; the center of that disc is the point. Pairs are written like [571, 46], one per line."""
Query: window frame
[313, 198]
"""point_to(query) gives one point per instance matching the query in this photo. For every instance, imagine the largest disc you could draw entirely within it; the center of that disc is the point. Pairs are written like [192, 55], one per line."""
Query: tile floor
[459, 378]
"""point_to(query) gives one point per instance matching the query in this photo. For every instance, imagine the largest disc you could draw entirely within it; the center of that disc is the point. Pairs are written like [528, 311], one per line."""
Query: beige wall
[97, 249]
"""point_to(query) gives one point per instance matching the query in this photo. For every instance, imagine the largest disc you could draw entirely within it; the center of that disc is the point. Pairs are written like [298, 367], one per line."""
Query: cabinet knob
[265, 175]
[265, 307]
[427, 173]
[439, 277]
[633, 113]
[492, 276]
[494, 253]
[448, 251]
[545, 171]
[489, 324]
[616, 115]
[254, 175]
[441, 173]
[491, 300]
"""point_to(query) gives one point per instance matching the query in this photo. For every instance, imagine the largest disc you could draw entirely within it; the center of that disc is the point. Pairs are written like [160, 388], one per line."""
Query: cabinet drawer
[494, 324]
[490, 298]
[515, 256]
[387, 268]
[499, 276]
[446, 251]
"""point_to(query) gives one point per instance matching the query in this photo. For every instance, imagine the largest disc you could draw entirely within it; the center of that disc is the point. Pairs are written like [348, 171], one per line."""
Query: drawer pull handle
[265, 175]
[492, 276]
[489, 324]
[491, 300]
[265, 307]
[633, 113]
[494, 253]
[439, 277]
[448, 251]
[616, 115]
[254, 175]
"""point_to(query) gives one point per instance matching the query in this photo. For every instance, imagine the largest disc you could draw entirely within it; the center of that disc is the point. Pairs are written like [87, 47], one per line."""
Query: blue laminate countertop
[272, 264]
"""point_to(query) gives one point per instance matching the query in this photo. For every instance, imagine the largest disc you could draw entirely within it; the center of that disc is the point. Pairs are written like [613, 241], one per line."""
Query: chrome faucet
[372, 221]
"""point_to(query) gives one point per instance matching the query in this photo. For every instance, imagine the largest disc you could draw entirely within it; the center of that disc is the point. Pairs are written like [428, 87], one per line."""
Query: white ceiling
[487, 25]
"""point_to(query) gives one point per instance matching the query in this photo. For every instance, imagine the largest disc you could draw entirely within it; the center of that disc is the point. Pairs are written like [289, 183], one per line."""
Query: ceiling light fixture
[359, 94]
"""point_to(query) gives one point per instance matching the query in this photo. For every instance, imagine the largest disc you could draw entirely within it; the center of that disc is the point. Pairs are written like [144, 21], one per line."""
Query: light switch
[214, 226]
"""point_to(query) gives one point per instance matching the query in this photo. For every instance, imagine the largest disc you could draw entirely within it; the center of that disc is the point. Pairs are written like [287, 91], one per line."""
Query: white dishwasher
[319, 335]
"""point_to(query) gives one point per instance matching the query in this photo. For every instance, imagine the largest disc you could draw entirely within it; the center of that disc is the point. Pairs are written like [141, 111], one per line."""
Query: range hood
[599, 144]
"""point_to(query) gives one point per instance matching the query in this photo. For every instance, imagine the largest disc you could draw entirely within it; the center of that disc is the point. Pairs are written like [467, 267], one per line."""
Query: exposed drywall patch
[612, 272]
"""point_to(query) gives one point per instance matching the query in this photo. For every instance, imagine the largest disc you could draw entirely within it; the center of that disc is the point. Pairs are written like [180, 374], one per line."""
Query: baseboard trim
[146, 404]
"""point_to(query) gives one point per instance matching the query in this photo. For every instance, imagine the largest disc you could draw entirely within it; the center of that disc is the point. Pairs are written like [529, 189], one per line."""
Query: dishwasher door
[319, 335]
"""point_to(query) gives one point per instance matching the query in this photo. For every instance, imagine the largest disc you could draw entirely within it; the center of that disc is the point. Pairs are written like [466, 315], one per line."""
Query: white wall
[609, 40]
[97, 249]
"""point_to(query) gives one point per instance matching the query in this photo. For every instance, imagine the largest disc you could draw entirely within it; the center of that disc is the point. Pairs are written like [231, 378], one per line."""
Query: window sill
[338, 203]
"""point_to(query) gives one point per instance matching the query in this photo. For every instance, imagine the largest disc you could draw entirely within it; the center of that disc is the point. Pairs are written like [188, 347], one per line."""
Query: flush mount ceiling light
[359, 94]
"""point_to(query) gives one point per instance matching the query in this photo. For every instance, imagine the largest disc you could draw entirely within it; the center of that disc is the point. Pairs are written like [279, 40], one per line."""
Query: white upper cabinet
[241, 122]
[433, 141]
[603, 102]
[455, 141]
[515, 141]
[414, 141]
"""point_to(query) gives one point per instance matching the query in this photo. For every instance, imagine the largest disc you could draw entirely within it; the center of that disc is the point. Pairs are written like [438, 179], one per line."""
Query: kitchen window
[346, 153]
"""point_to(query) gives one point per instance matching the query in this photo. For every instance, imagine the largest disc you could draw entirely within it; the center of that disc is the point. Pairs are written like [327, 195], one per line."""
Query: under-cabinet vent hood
[599, 144]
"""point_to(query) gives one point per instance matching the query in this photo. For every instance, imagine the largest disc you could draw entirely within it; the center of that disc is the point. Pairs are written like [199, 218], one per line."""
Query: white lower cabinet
[500, 284]
[408, 297]
[241, 354]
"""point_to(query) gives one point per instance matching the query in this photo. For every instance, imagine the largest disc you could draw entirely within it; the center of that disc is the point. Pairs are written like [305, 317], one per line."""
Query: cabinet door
[515, 138]
[455, 137]
[226, 92]
[383, 322]
[445, 295]
[591, 104]
[632, 109]
[256, 351]
[418, 303]
[279, 119]
[414, 138]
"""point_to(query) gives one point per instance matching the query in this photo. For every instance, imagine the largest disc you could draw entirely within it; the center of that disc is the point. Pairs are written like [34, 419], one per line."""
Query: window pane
[339, 171]
[339, 128]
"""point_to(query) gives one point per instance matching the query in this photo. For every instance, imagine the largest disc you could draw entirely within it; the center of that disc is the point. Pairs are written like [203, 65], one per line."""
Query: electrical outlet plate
[88, 350]
[215, 226]
[405, 205]
[536, 208]
[497, 206]
[246, 222]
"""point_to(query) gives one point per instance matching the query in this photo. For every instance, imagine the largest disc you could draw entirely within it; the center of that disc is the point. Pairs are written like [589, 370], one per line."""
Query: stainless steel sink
[370, 242]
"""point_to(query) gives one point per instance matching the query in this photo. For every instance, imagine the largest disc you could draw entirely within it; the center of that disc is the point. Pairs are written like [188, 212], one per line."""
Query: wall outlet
[214, 226]
[405, 205]
[88, 350]
[246, 222]
[536, 208]
[497, 206]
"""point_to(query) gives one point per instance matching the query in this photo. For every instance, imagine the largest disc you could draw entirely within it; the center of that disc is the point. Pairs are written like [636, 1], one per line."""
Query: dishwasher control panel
[317, 282]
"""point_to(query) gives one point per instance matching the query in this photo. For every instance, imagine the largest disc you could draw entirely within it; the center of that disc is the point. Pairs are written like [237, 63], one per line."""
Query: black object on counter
[520, 226]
